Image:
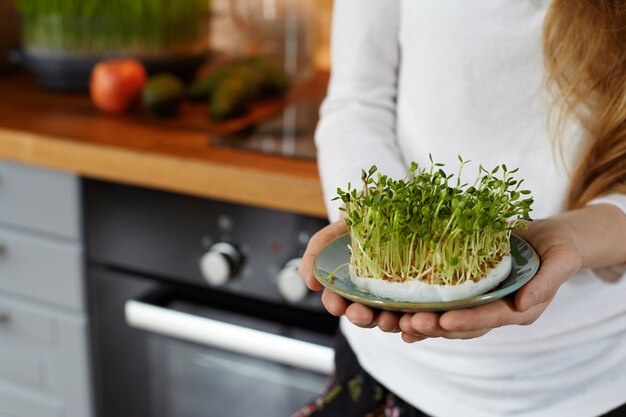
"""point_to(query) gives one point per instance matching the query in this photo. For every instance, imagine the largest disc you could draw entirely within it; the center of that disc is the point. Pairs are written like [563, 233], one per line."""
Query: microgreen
[428, 226]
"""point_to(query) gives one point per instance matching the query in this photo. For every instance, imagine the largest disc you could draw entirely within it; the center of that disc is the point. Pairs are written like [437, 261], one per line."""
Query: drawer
[21, 367]
[39, 199]
[41, 269]
[44, 366]
[22, 323]
[20, 403]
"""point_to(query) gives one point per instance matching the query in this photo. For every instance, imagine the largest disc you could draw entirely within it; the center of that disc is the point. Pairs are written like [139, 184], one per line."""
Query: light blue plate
[525, 265]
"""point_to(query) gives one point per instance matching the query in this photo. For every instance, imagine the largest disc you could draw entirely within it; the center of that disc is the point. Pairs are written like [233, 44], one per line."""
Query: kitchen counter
[65, 132]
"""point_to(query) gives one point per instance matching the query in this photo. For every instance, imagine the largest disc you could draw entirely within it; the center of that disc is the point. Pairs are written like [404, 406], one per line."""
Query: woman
[415, 77]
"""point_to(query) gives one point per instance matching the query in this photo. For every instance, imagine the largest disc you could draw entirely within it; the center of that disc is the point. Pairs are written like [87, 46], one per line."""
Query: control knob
[290, 285]
[219, 264]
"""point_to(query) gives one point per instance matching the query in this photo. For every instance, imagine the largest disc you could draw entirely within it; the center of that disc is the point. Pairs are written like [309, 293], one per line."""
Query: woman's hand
[560, 257]
[336, 305]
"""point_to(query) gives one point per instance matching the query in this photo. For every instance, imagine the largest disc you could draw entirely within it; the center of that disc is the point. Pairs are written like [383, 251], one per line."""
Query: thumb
[557, 266]
[315, 245]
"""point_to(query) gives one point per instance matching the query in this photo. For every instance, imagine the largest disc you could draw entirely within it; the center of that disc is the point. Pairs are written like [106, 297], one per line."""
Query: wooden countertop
[64, 131]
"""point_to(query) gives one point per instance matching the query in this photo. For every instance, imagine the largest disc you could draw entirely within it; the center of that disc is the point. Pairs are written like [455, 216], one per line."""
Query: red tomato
[116, 84]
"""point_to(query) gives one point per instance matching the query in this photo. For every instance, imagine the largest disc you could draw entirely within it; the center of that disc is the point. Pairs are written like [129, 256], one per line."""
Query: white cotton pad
[419, 291]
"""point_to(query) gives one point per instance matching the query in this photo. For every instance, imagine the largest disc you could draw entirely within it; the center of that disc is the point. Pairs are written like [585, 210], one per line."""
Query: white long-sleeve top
[417, 77]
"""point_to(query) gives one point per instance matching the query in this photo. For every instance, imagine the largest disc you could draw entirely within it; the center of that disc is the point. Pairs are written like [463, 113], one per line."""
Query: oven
[196, 308]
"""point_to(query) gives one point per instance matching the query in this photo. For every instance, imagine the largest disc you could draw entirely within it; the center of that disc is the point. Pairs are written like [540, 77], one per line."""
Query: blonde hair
[585, 55]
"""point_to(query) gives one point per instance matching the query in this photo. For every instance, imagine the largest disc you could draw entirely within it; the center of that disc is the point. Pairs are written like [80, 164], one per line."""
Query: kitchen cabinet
[40, 200]
[44, 358]
[45, 270]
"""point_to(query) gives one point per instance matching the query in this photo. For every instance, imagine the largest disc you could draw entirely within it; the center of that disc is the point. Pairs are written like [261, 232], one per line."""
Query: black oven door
[163, 351]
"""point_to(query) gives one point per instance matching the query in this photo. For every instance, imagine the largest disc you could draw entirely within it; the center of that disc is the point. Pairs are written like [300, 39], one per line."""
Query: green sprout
[430, 227]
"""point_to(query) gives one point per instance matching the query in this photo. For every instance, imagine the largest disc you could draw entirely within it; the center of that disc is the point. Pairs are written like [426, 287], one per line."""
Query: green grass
[115, 26]
[431, 227]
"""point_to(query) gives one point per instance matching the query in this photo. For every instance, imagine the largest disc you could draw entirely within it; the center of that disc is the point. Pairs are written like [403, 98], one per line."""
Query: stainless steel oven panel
[165, 234]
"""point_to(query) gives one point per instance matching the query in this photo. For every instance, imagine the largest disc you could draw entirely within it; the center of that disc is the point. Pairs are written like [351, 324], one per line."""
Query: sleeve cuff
[617, 200]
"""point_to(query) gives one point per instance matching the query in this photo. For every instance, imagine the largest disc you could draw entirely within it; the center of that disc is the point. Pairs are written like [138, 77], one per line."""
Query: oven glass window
[189, 380]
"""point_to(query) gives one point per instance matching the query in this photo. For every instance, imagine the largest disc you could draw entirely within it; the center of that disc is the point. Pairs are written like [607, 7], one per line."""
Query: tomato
[116, 84]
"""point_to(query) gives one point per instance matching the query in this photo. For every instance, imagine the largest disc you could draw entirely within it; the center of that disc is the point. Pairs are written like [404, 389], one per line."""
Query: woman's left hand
[560, 260]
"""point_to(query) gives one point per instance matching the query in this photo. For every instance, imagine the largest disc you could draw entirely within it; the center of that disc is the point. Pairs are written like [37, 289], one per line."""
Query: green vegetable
[275, 80]
[163, 94]
[203, 89]
[236, 92]
[232, 89]
[430, 227]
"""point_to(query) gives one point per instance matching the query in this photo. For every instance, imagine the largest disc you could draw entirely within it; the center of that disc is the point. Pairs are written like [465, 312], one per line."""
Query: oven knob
[290, 285]
[219, 264]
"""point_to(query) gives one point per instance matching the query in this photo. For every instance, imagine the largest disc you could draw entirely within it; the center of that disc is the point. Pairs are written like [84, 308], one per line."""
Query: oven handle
[230, 337]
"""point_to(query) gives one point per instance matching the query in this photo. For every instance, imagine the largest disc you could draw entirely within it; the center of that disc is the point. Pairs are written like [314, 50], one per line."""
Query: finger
[407, 329]
[426, 323]
[464, 335]
[361, 315]
[405, 323]
[388, 321]
[409, 334]
[315, 245]
[422, 323]
[489, 316]
[560, 259]
[557, 266]
[335, 304]
[412, 338]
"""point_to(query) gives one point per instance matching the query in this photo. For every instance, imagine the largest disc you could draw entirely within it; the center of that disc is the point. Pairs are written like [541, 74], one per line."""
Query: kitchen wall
[322, 57]
[225, 38]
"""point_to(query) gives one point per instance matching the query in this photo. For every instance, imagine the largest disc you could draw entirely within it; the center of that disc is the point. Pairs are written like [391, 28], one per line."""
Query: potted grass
[63, 39]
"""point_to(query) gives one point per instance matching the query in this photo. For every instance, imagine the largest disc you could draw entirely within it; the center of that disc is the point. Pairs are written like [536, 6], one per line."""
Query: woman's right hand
[336, 305]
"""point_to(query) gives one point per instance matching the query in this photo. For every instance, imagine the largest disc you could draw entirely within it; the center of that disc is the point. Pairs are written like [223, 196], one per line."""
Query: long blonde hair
[585, 55]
